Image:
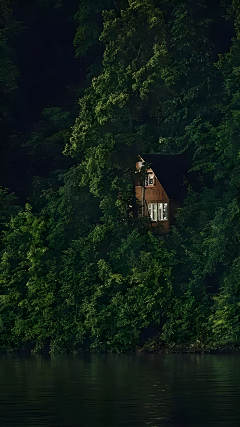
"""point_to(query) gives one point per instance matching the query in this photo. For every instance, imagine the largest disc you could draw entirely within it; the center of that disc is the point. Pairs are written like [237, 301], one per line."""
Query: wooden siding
[154, 194]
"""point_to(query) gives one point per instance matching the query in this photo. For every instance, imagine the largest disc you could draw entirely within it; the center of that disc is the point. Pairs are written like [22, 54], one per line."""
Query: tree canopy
[80, 268]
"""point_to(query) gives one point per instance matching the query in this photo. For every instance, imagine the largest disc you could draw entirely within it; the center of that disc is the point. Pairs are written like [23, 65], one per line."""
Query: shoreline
[174, 350]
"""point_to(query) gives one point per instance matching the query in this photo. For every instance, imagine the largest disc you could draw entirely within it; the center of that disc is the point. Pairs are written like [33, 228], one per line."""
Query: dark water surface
[98, 390]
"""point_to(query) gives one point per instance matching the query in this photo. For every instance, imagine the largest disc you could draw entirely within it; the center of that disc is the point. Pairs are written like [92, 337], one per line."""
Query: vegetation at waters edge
[80, 270]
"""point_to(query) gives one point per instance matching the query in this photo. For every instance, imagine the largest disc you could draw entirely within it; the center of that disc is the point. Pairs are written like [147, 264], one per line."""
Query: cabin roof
[170, 169]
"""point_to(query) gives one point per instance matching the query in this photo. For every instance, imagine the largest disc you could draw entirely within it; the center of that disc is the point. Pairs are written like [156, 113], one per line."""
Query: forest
[80, 269]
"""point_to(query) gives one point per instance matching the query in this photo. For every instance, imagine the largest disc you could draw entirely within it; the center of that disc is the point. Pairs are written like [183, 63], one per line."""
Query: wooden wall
[154, 194]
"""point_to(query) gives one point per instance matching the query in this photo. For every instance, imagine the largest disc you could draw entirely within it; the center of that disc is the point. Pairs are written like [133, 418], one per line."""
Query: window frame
[160, 209]
[147, 179]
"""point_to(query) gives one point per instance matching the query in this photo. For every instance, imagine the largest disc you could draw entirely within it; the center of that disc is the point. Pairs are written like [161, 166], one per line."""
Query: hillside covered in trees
[80, 270]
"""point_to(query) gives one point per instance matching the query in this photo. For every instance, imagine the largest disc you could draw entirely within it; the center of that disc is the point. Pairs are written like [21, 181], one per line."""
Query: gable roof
[170, 169]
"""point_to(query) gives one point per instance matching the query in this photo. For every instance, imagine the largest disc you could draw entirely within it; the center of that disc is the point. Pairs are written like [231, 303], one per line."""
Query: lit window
[165, 211]
[149, 179]
[152, 209]
[158, 211]
[162, 211]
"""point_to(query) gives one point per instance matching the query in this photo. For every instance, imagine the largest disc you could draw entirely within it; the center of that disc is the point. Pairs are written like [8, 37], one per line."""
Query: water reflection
[119, 390]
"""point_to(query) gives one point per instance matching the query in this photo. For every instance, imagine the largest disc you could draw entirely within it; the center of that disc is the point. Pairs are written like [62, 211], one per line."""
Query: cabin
[161, 189]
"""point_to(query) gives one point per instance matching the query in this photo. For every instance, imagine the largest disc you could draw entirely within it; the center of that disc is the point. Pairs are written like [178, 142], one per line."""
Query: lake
[111, 390]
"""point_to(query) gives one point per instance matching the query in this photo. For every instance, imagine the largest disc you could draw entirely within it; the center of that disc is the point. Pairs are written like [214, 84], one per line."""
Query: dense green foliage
[80, 269]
